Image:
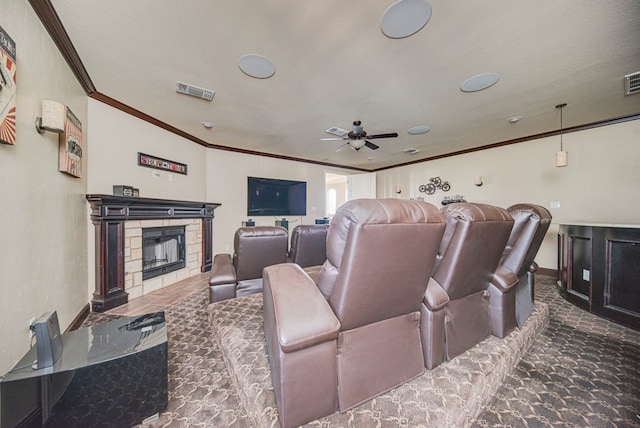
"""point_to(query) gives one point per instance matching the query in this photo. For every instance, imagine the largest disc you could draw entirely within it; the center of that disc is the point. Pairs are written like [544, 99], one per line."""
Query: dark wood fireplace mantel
[109, 213]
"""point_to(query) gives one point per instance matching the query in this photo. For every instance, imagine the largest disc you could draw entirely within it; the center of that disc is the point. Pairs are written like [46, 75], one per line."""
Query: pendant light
[562, 157]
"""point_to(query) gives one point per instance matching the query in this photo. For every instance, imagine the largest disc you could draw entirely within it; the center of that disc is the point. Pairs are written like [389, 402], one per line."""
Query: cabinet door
[617, 295]
[579, 270]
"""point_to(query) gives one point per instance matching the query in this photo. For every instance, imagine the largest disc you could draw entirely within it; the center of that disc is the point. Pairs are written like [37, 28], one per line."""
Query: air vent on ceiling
[411, 151]
[632, 83]
[337, 131]
[194, 91]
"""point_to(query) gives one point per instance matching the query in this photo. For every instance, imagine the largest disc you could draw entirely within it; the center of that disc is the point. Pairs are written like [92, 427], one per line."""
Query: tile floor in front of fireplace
[160, 299]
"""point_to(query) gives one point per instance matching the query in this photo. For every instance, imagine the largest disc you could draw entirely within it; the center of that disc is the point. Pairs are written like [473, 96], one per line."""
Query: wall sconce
[562, 157]
[398, 190]
[478, 181]
[53, 117]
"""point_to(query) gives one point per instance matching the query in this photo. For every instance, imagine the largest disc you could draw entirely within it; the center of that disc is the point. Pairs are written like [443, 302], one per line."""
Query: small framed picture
[163, 164]
[7, 89]
[70, 159]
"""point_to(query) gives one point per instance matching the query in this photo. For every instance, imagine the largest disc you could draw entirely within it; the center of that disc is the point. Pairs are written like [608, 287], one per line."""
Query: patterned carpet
[451, 395]
[581, 371]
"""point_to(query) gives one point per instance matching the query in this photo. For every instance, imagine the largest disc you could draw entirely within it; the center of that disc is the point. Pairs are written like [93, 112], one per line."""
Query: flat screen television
[271, 197]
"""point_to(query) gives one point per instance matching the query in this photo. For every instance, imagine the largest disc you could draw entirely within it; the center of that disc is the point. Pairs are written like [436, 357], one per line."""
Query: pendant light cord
[561, 106]
[561, 129]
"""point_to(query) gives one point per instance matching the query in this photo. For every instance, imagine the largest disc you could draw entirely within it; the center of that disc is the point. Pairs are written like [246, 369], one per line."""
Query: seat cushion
[249, 286]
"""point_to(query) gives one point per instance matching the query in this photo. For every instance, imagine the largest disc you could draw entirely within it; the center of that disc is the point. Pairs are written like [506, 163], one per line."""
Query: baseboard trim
[546, 271]
[79, 319]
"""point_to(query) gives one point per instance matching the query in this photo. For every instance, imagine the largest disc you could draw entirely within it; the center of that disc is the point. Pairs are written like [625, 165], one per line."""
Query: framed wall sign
[7, 89]
[163, 164]
[70, 158]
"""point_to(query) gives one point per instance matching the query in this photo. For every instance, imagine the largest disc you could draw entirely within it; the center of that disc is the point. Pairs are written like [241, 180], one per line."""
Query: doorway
[339, 188]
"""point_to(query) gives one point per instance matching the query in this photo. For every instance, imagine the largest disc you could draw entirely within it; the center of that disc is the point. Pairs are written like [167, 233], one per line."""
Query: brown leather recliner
[254, 249]
[513, 305]
[309, 245]
[356, 334]
[455, 309]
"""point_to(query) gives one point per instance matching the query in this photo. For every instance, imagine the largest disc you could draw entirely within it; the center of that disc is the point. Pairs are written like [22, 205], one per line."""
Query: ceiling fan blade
[342, 147]
[390, 135]
[371, 145]
[331, 139]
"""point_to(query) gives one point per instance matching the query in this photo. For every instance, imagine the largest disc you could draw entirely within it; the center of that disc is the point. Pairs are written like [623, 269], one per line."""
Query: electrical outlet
[227, 247]
[554, 205]
[586, 274]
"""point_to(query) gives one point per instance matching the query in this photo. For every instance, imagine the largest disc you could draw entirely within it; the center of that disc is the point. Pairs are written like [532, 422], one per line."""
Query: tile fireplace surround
[119, 221]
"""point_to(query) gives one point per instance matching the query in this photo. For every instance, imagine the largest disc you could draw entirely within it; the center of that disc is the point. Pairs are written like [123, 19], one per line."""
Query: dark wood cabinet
[599, 270]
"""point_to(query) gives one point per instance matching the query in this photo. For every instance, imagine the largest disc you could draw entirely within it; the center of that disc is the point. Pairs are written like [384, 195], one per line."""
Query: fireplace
[163, 250]
[119, 221]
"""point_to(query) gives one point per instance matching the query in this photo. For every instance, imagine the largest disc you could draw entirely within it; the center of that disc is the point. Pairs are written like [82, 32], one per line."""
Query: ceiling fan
[358, 138]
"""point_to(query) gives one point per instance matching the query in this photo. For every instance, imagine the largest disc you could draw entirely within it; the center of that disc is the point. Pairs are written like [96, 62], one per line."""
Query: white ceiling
[334, 65]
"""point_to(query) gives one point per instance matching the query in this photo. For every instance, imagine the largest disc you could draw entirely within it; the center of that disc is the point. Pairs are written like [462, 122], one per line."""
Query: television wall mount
[434, 184]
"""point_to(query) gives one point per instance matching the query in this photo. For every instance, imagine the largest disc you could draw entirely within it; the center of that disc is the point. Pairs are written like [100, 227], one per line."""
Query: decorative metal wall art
[434, 184]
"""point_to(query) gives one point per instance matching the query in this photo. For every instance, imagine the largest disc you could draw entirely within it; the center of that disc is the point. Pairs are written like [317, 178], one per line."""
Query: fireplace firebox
[163, 250]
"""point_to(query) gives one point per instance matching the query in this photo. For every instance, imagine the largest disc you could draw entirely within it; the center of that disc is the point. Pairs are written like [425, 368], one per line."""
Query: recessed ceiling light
[514, 119]
[420, 129]
[256, 66]
[480, 82]
[370, 158]
[405, 17]
[207, 124]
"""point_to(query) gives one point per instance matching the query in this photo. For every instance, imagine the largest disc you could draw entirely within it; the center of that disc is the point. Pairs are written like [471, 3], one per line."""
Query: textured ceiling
[334, 65]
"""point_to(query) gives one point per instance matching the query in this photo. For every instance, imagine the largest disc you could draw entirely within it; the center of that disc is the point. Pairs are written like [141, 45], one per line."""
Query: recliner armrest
[223, 271]
[435, 298]
[303, 316]
[504, 279]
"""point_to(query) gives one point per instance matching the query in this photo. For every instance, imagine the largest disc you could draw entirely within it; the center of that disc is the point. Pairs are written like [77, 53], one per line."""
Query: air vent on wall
[411, 151]
[194, 91]
[632, 83]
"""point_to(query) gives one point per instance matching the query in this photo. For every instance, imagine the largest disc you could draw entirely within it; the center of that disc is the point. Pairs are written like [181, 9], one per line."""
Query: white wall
[214, 175]
[227, 174]
[599, 185]
[44, 214]
[117, 137]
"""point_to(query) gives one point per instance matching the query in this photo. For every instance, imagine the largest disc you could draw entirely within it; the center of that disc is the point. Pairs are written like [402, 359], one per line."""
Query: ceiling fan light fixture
[420, 129]
[479, 82]
[257, 66]
[405, 18]
[357, 144]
